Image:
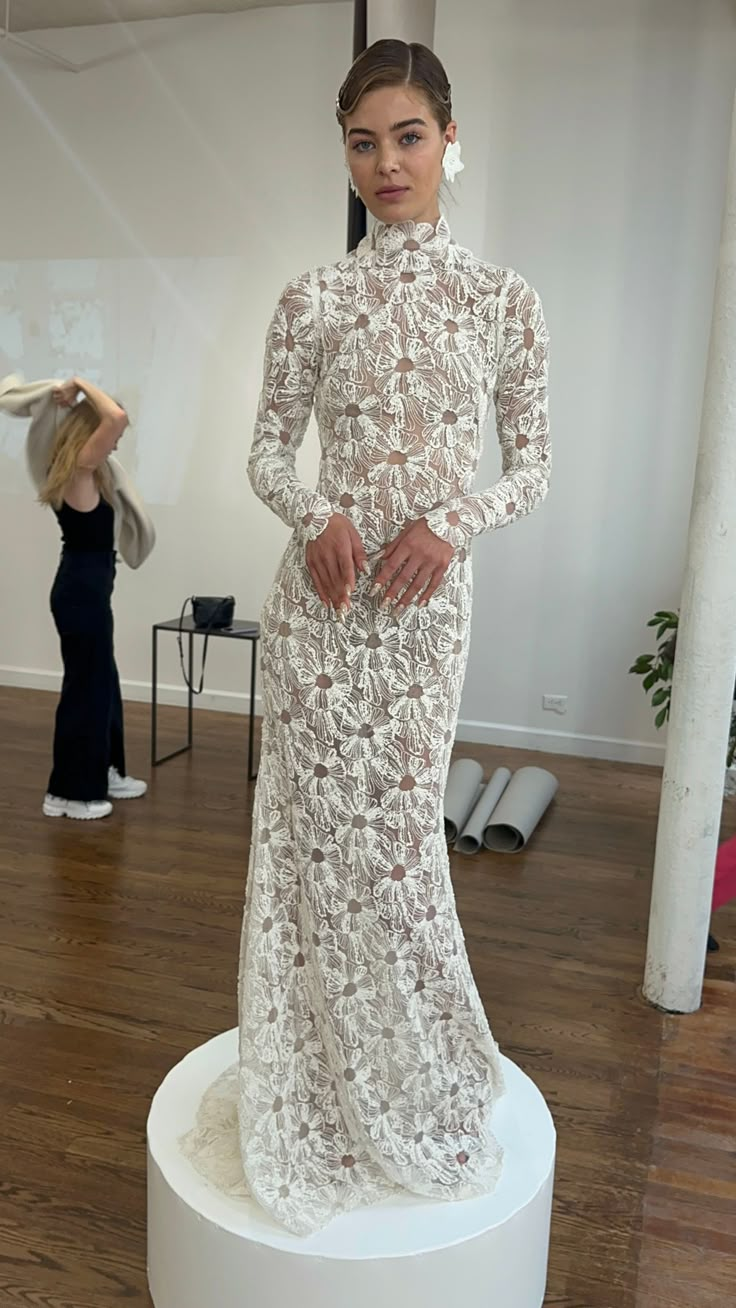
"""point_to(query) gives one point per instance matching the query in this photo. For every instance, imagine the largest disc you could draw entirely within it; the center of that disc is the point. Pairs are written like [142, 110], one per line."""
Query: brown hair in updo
[394, 63]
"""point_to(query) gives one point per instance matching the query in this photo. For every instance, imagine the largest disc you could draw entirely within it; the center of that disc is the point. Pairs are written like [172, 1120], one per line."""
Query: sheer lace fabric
[366, 1060]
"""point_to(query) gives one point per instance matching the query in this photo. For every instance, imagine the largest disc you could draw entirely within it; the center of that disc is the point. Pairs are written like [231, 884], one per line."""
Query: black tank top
[87, 533]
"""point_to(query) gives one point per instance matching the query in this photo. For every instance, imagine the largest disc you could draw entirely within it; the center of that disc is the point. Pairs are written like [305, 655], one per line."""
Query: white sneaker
[124, 787]
[79, 809]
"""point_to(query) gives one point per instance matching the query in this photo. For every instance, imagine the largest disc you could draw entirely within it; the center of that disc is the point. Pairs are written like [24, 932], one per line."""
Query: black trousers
[89, 719]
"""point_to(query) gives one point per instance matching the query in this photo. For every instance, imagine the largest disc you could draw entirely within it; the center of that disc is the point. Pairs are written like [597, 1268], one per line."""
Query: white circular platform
[207, 1250]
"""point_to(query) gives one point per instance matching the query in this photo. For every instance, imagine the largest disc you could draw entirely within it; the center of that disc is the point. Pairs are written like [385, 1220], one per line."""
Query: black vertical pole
[357, 227]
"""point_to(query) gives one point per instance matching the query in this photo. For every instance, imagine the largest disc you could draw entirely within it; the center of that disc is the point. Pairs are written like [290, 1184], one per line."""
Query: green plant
[656, 671]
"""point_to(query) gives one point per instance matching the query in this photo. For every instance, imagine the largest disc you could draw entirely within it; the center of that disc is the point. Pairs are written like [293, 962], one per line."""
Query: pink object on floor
[724, 888]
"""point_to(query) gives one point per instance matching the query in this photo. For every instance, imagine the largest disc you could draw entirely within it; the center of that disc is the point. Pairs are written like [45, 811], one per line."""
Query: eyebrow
[397, 127]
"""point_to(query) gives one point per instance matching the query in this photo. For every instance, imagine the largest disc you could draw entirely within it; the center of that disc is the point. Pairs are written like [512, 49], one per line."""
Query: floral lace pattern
[366, 1060]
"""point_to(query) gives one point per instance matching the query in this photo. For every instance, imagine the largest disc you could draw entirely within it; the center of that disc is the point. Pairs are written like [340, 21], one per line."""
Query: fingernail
[375, 589]
[386, 604]
[348, 591]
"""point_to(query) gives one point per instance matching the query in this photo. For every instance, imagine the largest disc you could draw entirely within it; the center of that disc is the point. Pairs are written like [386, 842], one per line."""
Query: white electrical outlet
[554, 703]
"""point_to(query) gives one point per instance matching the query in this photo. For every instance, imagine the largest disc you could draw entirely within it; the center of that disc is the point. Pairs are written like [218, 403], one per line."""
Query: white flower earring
[351, 183]
[452, 164]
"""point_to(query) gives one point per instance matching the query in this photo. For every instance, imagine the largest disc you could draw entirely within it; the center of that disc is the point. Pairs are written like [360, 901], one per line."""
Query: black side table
[243, 631]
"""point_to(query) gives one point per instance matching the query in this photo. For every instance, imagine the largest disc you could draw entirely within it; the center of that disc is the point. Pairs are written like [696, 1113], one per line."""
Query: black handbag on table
[209, 613]
[212, 612]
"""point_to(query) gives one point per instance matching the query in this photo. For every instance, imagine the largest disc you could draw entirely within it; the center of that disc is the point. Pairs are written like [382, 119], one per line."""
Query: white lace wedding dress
[366, 1060]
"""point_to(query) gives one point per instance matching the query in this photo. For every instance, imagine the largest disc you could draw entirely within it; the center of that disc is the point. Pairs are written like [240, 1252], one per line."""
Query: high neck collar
[394, 242]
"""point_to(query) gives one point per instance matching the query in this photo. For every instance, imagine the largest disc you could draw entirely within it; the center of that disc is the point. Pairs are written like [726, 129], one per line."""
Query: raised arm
[112, 421]
[522, 425]
[289, 378]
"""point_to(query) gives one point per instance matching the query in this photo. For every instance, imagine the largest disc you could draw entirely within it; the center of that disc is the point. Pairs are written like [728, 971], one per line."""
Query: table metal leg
[184, 749]
[191, 693]
[252, 773]
[154, 683]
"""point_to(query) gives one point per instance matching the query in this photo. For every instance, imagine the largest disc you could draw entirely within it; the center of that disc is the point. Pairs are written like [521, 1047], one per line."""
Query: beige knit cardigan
[134, 532]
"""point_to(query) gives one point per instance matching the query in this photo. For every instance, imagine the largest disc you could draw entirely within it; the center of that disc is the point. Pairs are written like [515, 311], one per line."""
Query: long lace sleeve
[289, 378]
[522, 425]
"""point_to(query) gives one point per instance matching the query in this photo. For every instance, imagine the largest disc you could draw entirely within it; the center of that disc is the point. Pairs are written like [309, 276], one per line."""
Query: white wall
[595, 137]
[198, 164]
[191, 172]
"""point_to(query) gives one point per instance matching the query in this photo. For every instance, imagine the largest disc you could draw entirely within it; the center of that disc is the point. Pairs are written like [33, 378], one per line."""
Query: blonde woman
[95, 505]
[89, 749]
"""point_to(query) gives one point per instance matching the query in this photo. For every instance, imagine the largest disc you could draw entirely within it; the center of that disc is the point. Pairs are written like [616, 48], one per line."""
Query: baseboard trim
[473, 732]
[543, 741]
[220, 701]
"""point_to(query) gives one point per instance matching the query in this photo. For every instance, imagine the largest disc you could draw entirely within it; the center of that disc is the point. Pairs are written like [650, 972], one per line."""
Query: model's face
[394, 149]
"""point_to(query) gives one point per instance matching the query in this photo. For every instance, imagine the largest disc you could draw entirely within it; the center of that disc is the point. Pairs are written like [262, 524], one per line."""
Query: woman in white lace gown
[366, 1060]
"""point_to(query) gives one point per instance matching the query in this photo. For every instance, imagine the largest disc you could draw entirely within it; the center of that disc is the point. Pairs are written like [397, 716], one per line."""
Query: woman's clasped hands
[411, 567]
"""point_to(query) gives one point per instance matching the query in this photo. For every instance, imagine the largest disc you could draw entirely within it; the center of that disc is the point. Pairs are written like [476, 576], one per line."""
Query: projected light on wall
[150, 332]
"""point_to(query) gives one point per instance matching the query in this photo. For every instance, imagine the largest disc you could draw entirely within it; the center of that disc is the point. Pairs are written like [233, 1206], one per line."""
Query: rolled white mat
[464, 781]
[471, 836]
[526, 798]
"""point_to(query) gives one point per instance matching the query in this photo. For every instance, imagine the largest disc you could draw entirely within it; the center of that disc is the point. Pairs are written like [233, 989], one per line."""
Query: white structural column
[404, 20]
[702, 691]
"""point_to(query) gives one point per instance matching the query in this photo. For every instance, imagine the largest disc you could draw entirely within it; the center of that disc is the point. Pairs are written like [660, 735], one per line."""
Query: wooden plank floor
[118, 954]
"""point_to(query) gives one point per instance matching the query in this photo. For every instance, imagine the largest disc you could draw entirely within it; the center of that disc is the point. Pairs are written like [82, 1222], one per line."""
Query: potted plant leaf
[656, 672]
[656, 669]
